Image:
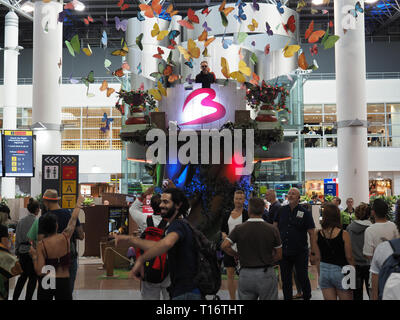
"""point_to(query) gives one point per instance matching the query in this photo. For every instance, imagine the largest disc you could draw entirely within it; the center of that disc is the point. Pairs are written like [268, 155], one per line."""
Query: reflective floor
[88, 286]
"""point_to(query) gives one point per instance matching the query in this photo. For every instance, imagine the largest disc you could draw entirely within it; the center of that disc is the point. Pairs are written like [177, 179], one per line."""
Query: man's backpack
[208, 275]
[155, 270]
[389, 276]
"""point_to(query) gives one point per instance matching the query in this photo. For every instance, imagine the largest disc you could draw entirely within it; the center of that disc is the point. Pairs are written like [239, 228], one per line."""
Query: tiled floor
[89, 287]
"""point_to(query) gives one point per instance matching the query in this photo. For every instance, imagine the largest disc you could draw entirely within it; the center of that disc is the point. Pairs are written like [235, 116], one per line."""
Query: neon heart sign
[208, 101]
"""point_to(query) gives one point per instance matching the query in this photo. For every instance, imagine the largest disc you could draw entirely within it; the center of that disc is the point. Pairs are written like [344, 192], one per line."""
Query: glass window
[71, 134]
[330, 108]
[393, 108]
[96, 112]
[70, 144]
[376, 108]
[378, 119]
[330, 118]
[96, 144]
[309, 119]
[311, 108]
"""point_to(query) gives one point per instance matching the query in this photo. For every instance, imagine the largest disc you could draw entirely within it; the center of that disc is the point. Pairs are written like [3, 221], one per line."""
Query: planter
[266, 117]
[136, 116]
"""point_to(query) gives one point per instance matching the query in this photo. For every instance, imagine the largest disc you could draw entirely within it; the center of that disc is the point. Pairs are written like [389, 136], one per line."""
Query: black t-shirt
[205, 79]
[182, 259]
[3, 231]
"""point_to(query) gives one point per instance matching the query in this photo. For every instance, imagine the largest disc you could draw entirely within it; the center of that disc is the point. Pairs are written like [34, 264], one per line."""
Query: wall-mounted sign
[61, 172]
[18, 153]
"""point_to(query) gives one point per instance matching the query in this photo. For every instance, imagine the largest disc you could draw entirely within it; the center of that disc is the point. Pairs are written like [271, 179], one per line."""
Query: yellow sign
[17, 133]
[68, 201]
[69, 187]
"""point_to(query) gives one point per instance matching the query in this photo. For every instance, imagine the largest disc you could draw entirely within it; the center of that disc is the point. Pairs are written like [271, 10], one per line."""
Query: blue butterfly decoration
[107, 121]
[164, 15]
[241, 16]
[139, 68]
[189, 63]
[226, 42]
[140, 16]
[279, 7]
[173, 34]
[269, 30]
[358, 8]
[104, 39]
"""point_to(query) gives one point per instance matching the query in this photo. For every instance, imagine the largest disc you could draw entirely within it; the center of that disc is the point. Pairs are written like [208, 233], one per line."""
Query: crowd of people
[262, 245]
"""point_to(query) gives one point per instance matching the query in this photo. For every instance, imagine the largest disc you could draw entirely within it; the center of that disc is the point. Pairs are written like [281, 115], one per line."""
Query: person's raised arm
[69, 230]
[135, 241]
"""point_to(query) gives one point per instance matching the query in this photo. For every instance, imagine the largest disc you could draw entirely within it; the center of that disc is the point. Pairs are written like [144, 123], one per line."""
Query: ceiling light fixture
[79, 6]
[28, 6]
[317, 2]
[370, 1]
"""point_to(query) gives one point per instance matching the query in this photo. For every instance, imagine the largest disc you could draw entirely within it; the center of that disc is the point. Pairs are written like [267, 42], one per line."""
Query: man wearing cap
[51, 205]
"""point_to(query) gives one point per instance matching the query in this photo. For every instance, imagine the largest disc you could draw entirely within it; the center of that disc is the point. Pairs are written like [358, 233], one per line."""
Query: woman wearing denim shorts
[335, 252]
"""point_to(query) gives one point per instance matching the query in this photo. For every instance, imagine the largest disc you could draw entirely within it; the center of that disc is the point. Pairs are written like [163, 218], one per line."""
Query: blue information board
[330, 187]
[18, 153]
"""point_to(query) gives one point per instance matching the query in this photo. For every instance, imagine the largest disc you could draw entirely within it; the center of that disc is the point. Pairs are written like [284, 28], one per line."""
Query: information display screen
[18, 153]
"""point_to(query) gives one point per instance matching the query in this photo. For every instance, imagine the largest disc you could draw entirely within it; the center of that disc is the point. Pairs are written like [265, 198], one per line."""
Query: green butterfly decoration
[139, 41]
[224, 19]
[74, 47]
[158, 75]
[241, 37]
[328, 41]
[254, 58]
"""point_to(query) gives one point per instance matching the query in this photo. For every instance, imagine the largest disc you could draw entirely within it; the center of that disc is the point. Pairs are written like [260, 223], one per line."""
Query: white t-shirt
[140, 218]
[232, 223]
[382, 252]
[378, 233]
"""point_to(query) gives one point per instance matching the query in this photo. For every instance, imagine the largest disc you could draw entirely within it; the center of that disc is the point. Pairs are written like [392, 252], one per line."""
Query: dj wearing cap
[205, 77]
[51, 205]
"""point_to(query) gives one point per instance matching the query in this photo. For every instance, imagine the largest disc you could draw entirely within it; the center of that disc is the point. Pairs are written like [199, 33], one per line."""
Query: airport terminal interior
[106, 104]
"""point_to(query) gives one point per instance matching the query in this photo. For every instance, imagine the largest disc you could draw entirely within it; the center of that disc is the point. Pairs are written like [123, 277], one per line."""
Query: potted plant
[267, 99]
[137, 101]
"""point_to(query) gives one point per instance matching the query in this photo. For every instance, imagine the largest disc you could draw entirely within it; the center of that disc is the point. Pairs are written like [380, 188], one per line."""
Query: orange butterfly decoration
[302, 62]
[149, 11]
[123, 6]
[118, 73]
[255, 79]
[88, 20]
[241, 57]
[170, 10]
[311, 35]
[226, 11]
[192, 18]
[204, 36]
[267, 48]
[159, 53]
[104, 86]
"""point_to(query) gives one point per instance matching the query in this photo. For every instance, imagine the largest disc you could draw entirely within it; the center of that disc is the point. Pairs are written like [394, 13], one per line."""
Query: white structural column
[11, 53]
[351, 103]
[46, 104]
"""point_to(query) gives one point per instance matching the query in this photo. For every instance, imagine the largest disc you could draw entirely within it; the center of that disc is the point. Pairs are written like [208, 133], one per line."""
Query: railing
[371, 39]
[27, 81]
[369, 75]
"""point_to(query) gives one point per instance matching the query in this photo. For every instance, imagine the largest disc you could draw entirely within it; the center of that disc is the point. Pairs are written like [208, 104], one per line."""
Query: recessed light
[28, 6]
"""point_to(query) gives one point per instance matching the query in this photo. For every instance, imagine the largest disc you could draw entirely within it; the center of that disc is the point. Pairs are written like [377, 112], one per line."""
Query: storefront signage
[18, 153]
[331, 187]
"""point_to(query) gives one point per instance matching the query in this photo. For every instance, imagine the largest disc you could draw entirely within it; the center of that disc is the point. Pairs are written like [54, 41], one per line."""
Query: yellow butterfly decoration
[170, 10]
[159, 92]
[253, 26]
[289, 51]
[226, 11]
[160, 34]
[121, 52]
[243, 70]
[88, 50]
[104, 86]
[239, 75]
[191, 52]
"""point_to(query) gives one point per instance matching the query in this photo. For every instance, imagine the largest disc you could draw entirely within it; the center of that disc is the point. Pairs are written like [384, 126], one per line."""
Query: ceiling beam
[16, 9]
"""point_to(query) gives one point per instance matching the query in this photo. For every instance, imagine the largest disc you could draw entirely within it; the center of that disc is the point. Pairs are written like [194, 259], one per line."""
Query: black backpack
[391, 265]
[156, 269]
[208, 275]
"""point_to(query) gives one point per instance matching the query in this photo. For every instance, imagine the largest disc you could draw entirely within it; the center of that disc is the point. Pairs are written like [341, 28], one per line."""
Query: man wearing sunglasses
[205, 77]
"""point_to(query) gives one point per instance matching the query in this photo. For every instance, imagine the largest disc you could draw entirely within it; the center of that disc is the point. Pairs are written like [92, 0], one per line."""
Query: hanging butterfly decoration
[86, 81]
[290, 25]
[139, 41]
[104, 87]
[104, 39]
[191, 52]
[269, 30]
[300, 5]
[140, 16]
[139, 68]
[267, 49]
[206, 11]
[255, 6]
[160, 34]
[88, 20]
[107, 120]
[121, 24]
[357, 8]
[241, 15]
[153, 10]
[119, 72]
[279, 7]
[314, 50]
[123, 51]
[192, 18]
[311, 35]
[123, 6]
[88, 51]
[226, 42]
[74, 46]
[159, 53]
[158, 92]
[253, 26]
[290, 50]
[224, 12]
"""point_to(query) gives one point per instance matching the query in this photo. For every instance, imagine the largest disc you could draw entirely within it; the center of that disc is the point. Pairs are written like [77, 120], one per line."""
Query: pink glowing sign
[208, 101]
